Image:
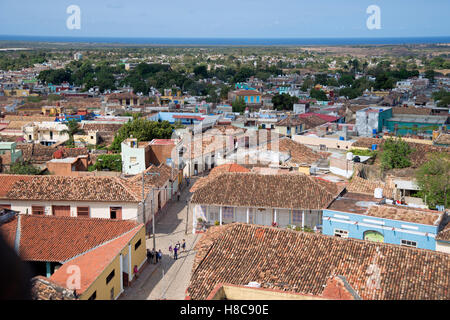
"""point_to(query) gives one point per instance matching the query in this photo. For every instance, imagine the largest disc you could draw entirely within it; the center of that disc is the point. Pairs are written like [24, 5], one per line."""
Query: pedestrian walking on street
[159, 255]
[150, 256]
[178, 195]
[154, 256]
[175, 253]
[183, 245]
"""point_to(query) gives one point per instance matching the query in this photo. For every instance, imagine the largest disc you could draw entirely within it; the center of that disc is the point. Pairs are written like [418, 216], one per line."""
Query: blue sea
[234, 41]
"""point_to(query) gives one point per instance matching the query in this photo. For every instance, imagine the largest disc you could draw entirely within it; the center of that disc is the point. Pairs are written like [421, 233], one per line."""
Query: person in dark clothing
[175, 252]
[183, 245]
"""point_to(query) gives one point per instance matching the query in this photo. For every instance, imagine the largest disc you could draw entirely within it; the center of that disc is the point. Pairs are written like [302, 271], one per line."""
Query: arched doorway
[373, 236]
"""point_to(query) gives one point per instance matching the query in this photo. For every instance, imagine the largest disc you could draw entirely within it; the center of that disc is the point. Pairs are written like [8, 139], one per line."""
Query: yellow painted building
[19, 93]
[104, 270]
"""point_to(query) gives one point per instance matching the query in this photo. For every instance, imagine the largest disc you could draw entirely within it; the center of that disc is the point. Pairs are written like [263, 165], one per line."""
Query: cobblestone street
[169, 278]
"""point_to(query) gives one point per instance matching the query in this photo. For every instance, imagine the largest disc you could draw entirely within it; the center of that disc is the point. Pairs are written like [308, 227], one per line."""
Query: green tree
[201, 72]
[429, 74]
[111, 162]
[318, 94]
[24, 168]
[238, 105]
[142, 130]
[433, 178]
[395, 154]
[284, 101]
[442, 97]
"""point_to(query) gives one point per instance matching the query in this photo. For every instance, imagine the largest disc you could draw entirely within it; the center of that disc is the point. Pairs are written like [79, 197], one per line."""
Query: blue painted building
[357, 217]
[186, 118]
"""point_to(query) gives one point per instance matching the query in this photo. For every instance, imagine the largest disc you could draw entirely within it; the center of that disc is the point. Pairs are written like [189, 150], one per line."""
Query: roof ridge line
[121, 182]
[99, 245]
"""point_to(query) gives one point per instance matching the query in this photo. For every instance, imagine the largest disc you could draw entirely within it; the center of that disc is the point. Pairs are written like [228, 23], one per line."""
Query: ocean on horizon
[232, 41]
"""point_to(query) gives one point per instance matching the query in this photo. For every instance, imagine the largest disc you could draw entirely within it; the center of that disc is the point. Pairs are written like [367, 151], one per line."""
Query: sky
[226, 18]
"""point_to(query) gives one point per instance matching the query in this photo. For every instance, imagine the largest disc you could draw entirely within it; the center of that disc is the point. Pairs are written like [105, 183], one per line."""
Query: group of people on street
[154, 256]
[176, 249]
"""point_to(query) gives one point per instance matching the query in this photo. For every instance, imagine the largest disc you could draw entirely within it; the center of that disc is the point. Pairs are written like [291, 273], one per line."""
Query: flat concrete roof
[419, 118]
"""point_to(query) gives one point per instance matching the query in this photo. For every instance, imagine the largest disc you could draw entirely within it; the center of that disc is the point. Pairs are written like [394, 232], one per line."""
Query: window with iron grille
[83, 212]
[341, 233]
[409, 243]
[40, 210]
[297, 217]
[227, 213]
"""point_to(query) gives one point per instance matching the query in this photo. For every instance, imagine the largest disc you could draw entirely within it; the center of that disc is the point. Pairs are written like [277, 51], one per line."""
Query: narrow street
[168, 279]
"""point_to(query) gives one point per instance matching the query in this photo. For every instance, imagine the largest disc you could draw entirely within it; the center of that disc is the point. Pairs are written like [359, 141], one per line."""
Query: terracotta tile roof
[303, 262]
[29, 118]
[101, 127]
[422, 216]
[299, 153]
[270, 191]
[420, 155]
[94, 262]
[17, 124]
[366, 142]
[71, 152]
[36, 153]
[364, 186]
[134, 184]
[411, 110]
[444, 234]
[57, 239]
[311, 121]
[122, 95]
[217, 171]
[45, 289]
[106, 131]
[324, 117]
[65, 188]
[290, 121]
[443, 138]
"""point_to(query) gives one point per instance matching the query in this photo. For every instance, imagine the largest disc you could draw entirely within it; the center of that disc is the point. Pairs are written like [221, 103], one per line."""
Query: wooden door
[61, 211]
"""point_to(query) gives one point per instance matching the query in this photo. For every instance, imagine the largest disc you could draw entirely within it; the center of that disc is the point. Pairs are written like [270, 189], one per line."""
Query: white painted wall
[96, 209]
[443, 246]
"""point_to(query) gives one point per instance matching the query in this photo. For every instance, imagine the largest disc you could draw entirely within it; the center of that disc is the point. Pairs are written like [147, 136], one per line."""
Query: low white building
[291, 199]
[46, 133]
[93, 197]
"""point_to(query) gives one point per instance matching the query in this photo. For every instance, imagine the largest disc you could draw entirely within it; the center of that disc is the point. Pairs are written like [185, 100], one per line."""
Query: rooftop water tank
[378, 193]
[374, 147]
[350, 156]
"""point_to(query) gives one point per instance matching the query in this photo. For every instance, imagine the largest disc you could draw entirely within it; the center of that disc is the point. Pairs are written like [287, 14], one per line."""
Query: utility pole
[153, 218]
[187, 215]
[143, 200]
